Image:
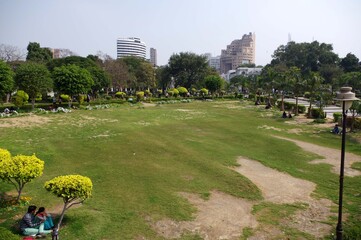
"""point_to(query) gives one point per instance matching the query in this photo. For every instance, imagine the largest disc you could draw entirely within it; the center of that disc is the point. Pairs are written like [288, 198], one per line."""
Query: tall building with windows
[153, 56]
[131, 47]
[240, 51]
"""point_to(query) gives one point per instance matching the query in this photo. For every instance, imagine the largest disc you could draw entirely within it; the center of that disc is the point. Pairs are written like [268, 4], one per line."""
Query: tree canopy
[6, 79]
[72, 80]
[73, 189]
[19, 170]
[188, 69]
[38, 54]
[33, 78]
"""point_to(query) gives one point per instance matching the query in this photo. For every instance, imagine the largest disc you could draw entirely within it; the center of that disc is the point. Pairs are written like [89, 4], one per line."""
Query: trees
[141, 73]
[214, 83]
[73, 189]
[72, 80]
[313, 84]
[188, 69]
[92, 64]
[350, 63]
[6, 79]
[19, 170]
[33, 78]
[10, 53]
[305, 56]
[296, 82]
[117, 70]
[38, 54]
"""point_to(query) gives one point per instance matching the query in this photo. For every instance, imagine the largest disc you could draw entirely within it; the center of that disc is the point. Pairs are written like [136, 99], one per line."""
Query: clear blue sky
[173, 26]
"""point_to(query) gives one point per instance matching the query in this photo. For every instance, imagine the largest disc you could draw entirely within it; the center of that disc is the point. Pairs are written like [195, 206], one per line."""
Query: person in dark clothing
[284, 114]
[29, 227]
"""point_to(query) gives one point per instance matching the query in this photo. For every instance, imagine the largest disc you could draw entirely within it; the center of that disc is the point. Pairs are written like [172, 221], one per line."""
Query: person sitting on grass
[335, 129]
[42, 216]
[29, 227]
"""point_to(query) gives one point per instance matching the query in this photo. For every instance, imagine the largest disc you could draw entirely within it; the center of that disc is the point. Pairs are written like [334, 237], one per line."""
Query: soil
[225, 217]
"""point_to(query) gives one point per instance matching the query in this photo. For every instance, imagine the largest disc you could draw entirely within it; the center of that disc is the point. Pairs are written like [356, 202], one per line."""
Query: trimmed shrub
[307, 95]
[292, 106]
[120, 95]
[21, 98]
[317, 113]
[147, 93]
[65, 97]
[204, 91]
[337, 117]
[80, 99]
[140, 95]
[182, 91]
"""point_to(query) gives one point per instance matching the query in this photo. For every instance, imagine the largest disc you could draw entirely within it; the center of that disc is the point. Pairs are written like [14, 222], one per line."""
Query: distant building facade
[153, 56]
[240, 51]
[213, 62]
[131, 47]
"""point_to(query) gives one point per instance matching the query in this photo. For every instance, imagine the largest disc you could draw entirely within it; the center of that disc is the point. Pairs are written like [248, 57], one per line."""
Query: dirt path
[331, 156]
[225, 217]
[221, 217]
[280, 188]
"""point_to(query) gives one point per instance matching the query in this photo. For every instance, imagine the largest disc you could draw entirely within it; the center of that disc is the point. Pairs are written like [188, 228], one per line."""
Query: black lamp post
[346, 97]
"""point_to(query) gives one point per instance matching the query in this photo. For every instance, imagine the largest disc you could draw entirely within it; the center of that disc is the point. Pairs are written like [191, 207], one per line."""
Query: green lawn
[140, 158]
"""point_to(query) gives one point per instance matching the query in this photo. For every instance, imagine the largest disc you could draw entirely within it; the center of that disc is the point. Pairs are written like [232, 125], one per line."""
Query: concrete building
[153, 56]
[213, 62]
[242, 71]
[131, 47]
[240, 51]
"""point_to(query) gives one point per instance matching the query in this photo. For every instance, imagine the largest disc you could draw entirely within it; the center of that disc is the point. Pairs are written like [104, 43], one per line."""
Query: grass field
[139, 158]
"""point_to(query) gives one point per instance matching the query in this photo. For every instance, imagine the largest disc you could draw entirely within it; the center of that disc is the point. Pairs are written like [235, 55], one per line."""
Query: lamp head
[345, 95]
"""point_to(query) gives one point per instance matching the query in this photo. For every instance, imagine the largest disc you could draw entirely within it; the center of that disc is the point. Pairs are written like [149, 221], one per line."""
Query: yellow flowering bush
[73, 189]
[19, 170]
[70, 187]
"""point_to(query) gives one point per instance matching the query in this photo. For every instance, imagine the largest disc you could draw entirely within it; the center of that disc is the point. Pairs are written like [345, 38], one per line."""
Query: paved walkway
[329, 110]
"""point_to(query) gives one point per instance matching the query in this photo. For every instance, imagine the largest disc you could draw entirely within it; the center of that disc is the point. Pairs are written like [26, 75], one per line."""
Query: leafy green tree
[141, 73]
[296, 82]
[38, 54]
[118, 72]
[331, 74]
[33, 78]
[73, 189]
[350, 63]
[305, 56]
[163, 77]
[188, 69]
[214, 83]
[6, 79]
[352, 79]
[72, 80]
[91, 63]
[19, 170]
[313, 84]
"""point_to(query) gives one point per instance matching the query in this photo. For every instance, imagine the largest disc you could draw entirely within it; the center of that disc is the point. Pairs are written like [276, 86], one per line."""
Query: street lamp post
[346, 97]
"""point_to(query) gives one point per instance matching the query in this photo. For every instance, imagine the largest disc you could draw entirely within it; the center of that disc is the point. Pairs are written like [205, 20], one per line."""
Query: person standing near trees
[29, 227]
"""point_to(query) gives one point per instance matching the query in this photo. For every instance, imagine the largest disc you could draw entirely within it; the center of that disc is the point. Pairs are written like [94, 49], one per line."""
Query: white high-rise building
[130, 47]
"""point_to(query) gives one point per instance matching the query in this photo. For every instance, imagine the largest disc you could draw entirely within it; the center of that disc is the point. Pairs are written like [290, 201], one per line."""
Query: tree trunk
[33, 104]
[296, 113]
[62, 215]
[283, 103]
[309, 110]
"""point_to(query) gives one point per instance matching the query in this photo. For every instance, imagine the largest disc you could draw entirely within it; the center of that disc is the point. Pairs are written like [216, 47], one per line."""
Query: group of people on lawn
[36, 223]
